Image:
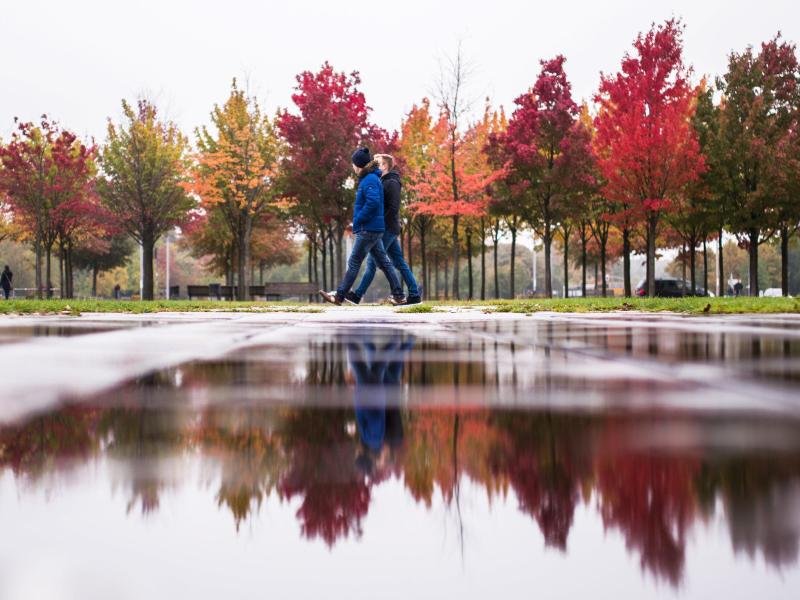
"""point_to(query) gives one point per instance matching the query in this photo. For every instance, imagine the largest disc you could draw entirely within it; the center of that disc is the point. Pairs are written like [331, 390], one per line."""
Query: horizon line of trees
[655, 162]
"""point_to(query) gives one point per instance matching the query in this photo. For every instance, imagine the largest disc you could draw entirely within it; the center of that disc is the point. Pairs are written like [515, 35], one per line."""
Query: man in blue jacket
[368, 228]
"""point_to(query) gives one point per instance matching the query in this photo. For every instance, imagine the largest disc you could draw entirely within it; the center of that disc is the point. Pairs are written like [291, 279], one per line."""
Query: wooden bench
[270, 291]
[198, 291]
[276, 290]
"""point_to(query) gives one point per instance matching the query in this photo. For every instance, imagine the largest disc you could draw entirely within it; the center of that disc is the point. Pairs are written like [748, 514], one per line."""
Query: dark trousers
[369, 243]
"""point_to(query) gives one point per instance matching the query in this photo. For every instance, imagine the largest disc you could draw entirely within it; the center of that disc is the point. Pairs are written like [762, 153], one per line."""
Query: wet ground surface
[351, 454]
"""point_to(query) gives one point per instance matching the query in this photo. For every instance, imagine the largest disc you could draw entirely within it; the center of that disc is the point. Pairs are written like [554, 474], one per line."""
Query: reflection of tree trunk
[457, 482]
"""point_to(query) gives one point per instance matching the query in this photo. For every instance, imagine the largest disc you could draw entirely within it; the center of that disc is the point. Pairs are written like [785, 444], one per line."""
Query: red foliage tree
[47, 175]
[646, 146]
[332, 120]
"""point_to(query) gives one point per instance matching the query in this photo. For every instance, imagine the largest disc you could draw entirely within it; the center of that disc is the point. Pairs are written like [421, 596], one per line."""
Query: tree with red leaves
[647, 149]
[546, 152]
[333, 120]
[47, 176]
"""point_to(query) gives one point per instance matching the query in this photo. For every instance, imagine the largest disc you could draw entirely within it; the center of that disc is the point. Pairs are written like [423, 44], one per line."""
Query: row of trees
[656, 161]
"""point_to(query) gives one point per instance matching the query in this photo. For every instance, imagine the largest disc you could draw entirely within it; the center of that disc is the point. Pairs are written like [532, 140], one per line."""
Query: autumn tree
[145, 163]
[237, 173]
[543, 148]
[332, 119]
[421, 139]
[760, 99]
[99, 255]
[46, 173]
[647, 149]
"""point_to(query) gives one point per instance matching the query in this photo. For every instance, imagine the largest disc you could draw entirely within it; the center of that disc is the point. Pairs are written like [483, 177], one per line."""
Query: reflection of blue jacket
[368, 209]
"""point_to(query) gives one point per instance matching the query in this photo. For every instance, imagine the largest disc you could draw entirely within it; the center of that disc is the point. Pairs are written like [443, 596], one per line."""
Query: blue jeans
[369, 242]
[395, 253]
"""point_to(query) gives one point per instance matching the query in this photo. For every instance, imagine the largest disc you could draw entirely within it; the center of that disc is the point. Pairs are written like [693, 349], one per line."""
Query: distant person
[737, 288]
[117, 292]
[368, 228]
[5, 281]
[392, 185]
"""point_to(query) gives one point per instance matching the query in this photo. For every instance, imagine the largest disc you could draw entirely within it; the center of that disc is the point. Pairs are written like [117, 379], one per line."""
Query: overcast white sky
[76, 59]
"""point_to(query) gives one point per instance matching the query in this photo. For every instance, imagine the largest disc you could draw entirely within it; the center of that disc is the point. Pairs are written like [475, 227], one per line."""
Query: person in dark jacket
[391, 213]
[368, 228]
[5, 281]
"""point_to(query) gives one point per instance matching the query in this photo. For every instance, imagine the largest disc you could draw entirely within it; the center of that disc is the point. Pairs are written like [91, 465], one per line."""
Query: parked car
[772, 293]
[668, 287]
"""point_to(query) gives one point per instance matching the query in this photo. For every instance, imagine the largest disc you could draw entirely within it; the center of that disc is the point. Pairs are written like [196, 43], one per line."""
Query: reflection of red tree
[49, 441]
[323, 472]
[542, 465]
[651, 499]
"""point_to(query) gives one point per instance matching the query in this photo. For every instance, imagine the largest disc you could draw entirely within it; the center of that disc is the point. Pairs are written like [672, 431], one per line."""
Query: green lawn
[697, 306]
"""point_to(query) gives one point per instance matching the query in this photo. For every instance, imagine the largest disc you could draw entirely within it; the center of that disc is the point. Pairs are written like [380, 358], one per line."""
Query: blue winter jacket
[368, 209]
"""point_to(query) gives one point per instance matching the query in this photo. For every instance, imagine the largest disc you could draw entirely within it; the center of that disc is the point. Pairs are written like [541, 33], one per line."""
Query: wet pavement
[359, 453]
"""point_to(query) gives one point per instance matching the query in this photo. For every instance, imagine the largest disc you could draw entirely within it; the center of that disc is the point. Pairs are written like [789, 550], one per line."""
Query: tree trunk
[243, 261]
[652, 223]
[436, 273]
[603, 249]
[705, 265]
[148, 244]
[323, 250]
[692, 266]
[753, 252]
[69, 274]
[683, 269]
[454, 237]
[446, 279]
[548, 275]
[424, 253]
[720, 267]
[94, 282]
[37, 246]
[310, 269]
[469, 264]
[784, 261]
[63, 290]
[566, 263]
[596, 278]
[340, 259]
[626, 261]
[48, 271]
[332, 258]
[483, 259]
[512, 281]
[495, 242]
[583, 260]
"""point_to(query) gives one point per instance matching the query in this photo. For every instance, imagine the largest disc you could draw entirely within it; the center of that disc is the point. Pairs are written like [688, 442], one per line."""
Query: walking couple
[376, 226]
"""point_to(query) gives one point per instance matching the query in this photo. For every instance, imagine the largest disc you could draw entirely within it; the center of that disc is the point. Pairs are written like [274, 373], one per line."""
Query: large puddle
[557, 460]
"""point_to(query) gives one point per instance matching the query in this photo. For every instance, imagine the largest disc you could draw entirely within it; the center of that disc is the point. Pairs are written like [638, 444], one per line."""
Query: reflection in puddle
[654, 492]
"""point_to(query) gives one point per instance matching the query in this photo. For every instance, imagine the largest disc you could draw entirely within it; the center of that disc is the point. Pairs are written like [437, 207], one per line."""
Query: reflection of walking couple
[376, 226]
[376, 399]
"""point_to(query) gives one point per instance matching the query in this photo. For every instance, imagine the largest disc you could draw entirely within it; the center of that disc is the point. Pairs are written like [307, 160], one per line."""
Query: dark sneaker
[399, 301]
[414, 300]
[352, 298]
[330, 297]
